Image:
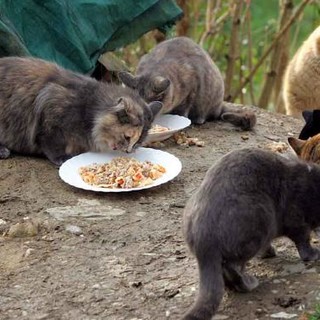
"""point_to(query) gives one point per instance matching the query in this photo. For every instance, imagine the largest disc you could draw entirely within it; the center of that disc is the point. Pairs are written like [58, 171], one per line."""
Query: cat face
[126, 127]
[150, 88]
[308, 150]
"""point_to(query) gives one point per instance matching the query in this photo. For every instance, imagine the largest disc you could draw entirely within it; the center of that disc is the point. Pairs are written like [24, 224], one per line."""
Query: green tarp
[74, 33]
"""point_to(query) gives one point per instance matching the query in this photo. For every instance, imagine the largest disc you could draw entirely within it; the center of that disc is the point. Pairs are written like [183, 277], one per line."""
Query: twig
[209, 11]
[283, 61]
[217, 26]
[248, 23]
[286, 8]
[271, 46]
[233, 48]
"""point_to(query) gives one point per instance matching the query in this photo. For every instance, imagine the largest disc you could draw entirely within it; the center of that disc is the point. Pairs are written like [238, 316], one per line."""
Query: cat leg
[317, 232]
[235, 278]
[269, 252]
[4, 152]
[307, 252]
[301, 238]
[54, 150]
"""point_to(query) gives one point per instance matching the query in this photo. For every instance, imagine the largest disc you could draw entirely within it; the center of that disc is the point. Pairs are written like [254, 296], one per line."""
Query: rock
[87, 209]
[74, 230]
[293, 268]
[283, 315]
[28, 252]
[27, 228]
[220, 317]
[2, 222]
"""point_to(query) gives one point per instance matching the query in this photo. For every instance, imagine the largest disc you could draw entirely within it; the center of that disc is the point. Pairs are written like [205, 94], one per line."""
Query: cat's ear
[128, 79]
[159, 84]
[307, 115]
[296, 144]
[123, 110]
[155, 107]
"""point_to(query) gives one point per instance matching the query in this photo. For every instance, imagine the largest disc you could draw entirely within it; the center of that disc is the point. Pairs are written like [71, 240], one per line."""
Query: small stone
[283, 315]
[276, 281]
[219, 317]
[311, 270]
[74, 230]
[28, 252]
[27, 228]
[244, 137]
[141, 213]
[2, 222]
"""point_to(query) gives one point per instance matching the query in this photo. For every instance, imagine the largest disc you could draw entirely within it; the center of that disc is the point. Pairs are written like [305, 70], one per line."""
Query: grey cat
[246, 200]
[181, 75]
[47, 110]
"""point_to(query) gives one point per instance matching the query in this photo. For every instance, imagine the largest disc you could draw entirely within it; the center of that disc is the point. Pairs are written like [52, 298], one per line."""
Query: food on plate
[121, 172]
[156, 128]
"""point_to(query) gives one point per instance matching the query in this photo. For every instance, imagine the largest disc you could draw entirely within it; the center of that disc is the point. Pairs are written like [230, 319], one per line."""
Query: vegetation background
[251, 41]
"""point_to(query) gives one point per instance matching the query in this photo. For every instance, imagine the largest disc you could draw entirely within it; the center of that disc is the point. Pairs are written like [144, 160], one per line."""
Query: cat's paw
[58, 161]
[317, 232]
[237, 280]
[311, 254]
[4, 152]
[247, 283]
[270, 252]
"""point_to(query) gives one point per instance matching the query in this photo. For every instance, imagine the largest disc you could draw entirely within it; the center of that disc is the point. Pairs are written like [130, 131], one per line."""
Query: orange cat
[308, 150]
[302, 78]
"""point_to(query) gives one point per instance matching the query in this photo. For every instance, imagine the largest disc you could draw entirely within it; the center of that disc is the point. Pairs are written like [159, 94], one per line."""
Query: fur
[181, 75]
[247, 199]
[302, 78]
[312, 125]
[308, 150]
[47, 110]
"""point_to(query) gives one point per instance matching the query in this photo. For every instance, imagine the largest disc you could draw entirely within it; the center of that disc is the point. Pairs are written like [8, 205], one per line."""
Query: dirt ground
[71, 254]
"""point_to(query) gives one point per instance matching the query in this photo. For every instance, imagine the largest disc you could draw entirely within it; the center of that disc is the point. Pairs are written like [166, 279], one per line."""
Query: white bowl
[173, 122]
[69, 170]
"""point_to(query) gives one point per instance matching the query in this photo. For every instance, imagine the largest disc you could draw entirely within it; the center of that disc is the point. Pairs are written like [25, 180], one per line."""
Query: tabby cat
[47, 110]
[248, 198]
[181, 75]
[308, 150]
[302, 78]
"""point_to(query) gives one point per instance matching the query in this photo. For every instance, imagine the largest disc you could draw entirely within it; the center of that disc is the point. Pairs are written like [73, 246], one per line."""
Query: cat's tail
[210, 290]
[245, 119]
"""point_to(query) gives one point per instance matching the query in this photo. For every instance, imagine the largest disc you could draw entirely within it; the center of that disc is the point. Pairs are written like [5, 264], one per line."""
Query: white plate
[175, 123]
[69, 170]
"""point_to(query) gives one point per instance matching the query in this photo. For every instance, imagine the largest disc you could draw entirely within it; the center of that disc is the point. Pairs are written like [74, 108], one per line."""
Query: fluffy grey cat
[247, 199]
[181, 75]
[47, 110]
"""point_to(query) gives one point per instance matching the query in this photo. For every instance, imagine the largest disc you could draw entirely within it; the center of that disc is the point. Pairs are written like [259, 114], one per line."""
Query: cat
[181, 75]
[308, 150]
[247, 199]
[312, 125]
[302, 78]
[48, 110]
